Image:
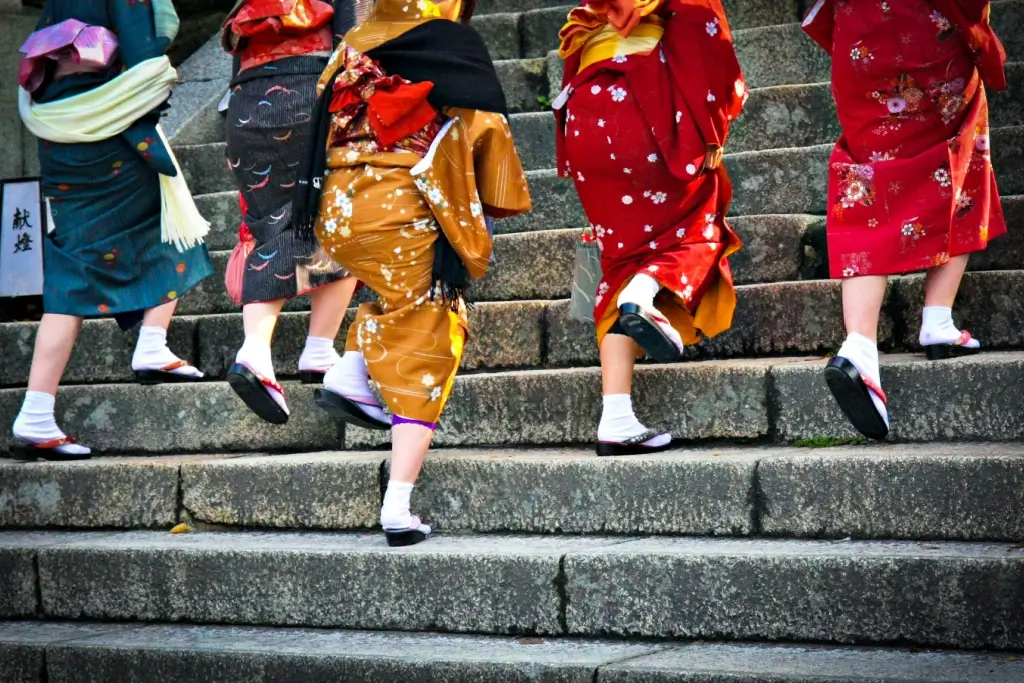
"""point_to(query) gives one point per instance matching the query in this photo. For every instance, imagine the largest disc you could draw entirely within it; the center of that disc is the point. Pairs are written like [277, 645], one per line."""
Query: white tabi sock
[641, 291]
[319, 355]
[36, 424]
[863, 353]
[255, 354]
[618, 422]
[937, 328]
[349, 378]
[151, 353]
[395, 514]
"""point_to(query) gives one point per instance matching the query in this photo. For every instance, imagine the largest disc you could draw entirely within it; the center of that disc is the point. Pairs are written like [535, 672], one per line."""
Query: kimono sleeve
[500, 178]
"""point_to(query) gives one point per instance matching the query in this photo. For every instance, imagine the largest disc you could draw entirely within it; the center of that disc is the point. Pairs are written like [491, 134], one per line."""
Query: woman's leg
[941, 285]
[618, 422]
[862, 304]
[55, 340]
[151, 351]
[329, 305]
[409, 445]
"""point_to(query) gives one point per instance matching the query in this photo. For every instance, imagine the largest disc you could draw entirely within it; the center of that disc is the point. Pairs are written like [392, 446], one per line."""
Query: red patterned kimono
[910, 181]
[651, 87]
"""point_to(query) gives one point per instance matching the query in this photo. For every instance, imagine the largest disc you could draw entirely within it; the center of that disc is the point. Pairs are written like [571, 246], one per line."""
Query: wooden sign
[23, 226]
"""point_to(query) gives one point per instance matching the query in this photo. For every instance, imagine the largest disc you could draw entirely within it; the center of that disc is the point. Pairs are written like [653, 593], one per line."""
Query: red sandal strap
[874, 387]
[965, 337]
[176, 365]
[54, 443]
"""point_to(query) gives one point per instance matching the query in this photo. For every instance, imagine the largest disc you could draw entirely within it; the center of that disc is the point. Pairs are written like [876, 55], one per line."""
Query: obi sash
[76, 47]
[267, 30]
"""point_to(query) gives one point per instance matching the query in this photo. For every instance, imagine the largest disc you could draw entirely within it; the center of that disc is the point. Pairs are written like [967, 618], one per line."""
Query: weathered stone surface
[1008, 23]
[524, 80]
[506, 335]
[711, 400]
[771, 247]
[785, 116]
[540, 30]
[11, 134]
[205, 167]
[220, 337]
[534, 134]
[23, 646]
[211, 654]
[681, 492]
[909, 492]
[780, 55]
[464, 584]
[922, 405]
[989, 304]
[715, 663]
[90, 494]
[779, 181]
[193, 118]
[501, 33]
[1005, 107]
[1007, 252]
[103, 352]
[18, 571]
[209, 63]
[529, 265]
[205, 417]
[320, 491]
[224, 213]
[857, 592]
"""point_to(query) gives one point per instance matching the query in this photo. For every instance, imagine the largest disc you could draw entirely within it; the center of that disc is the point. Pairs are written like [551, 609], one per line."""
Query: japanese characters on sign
[22, 226]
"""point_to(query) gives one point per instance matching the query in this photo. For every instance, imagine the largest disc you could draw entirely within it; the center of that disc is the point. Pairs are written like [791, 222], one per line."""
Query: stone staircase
[20, 157]
[740, 559]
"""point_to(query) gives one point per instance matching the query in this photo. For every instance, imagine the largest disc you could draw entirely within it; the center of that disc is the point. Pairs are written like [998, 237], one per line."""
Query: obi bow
[395, 107]
[76, 47]
[597, 15]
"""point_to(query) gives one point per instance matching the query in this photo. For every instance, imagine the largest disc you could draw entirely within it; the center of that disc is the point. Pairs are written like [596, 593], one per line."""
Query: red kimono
[651, 87]
[910, 181]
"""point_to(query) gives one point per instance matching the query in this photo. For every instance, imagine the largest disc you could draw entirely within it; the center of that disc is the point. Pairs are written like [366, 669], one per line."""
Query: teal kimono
[104, 256]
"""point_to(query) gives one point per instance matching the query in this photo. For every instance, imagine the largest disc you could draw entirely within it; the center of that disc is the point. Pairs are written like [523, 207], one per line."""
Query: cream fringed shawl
[109, 110]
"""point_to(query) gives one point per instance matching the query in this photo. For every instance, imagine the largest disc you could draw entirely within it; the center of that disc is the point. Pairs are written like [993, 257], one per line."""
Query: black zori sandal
[252, 389]
[165, 375]
[400, 538]
[644, 327]
[311, 376]
[853, 394]
[24, 451]
[634, 445]
[957, 349]
[347, 410]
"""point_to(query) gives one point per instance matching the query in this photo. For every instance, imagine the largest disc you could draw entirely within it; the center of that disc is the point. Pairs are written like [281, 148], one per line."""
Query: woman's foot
[401, 527]
[318, 357]
[620, 433]
[854, 379]
[154, 363]
[36, 428]
[252, 378]
[346, 394]
[940, 337]
[645, 324]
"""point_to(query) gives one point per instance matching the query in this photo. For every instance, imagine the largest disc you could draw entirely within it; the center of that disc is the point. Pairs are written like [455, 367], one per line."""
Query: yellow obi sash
[606, 43]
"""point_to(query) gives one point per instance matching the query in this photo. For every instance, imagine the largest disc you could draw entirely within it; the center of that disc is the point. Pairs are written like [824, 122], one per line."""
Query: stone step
[771, 319]
[789, 180]
[76, 652]
[867, 492]
[742, 589]
[769, 399]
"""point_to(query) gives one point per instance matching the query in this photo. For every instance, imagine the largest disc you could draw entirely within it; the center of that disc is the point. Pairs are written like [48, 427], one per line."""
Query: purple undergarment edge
[399, 420]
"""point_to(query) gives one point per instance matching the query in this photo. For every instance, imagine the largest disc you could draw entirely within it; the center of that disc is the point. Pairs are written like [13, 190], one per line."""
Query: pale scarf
[111, 109]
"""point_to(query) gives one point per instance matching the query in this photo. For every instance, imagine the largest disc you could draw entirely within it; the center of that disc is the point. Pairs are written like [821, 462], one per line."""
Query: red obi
[395, 107]
[267, 30]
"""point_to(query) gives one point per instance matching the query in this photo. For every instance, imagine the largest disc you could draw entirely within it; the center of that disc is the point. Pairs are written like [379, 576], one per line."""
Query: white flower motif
[648, 228]
[427, 380]
[711, 96]
[712, 27]
[679, 116]
[370, 326]
[659, 197]
[579, 176]
[612, 156]
[850, 271]
[653, 245]
[627, 171]
[652, 269]
[618, 94]
[620, 59]
[627, 200]
[620, 245]
[475, 209]
[435, 393]
[653, 158]
[596, 90]
[691, 169]
[687, 293]
[435, 195]
[710, 217]
[647, 193]
[330, 225]
[709, 231]
[681, 233]
[683, 279]
[603, 288]
[600, 123]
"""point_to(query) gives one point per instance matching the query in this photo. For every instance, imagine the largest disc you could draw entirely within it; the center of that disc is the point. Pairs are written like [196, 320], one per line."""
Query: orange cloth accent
[267, 30]
[583, 22]
[396, 108]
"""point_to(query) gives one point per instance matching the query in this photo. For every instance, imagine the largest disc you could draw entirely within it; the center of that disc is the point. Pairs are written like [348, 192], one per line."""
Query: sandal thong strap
[54, 443]
[875, 388]
[640, 438]
[964, 338]
[176, 365]
[266, 382]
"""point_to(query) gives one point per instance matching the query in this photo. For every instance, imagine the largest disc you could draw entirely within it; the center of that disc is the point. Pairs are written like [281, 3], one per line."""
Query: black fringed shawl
[455, 59]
